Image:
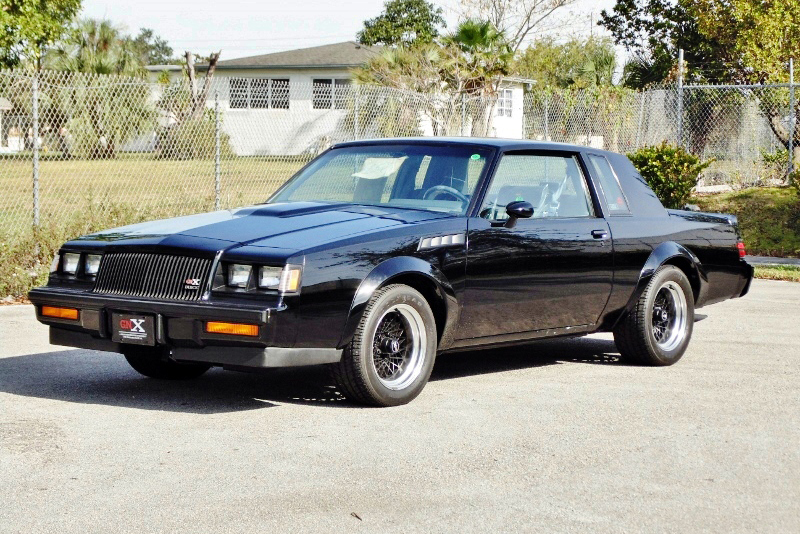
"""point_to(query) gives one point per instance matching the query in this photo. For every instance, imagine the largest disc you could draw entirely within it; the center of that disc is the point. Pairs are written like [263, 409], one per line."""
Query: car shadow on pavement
[90, 377]
[534, 354]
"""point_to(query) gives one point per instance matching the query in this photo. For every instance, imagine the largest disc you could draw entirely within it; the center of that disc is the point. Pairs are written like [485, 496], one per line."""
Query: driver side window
[553, 185]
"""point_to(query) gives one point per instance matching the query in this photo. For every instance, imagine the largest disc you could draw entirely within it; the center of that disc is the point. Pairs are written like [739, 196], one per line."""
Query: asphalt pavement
[557, 436]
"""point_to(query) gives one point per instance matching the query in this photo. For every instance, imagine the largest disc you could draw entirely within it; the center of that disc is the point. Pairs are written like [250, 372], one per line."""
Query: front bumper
[180, 326]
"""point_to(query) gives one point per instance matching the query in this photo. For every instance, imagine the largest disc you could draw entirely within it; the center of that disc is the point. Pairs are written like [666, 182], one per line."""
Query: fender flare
[401, 267]
[672, 253]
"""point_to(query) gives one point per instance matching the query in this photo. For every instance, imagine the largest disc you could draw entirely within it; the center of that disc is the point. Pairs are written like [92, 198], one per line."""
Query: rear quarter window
[615, 199]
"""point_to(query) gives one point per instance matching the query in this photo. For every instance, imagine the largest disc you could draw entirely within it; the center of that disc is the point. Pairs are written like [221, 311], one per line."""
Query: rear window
[615, 198]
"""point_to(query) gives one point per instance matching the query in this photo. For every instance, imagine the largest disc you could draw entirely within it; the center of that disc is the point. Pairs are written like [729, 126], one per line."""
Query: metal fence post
[680, 97]
[356, 112]
[546, 118]
[217, 184]
[35, 105]
[641, 116]
[463, 115]
[792, 118]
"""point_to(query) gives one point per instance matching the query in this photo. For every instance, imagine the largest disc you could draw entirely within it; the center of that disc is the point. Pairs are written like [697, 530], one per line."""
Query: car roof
[493, 142]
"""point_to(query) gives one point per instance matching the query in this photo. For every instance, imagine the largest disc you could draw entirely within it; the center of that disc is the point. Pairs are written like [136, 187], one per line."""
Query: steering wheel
[437, 190]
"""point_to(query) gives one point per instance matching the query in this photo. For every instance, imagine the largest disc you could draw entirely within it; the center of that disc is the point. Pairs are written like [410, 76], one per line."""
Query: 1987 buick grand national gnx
[379, 254]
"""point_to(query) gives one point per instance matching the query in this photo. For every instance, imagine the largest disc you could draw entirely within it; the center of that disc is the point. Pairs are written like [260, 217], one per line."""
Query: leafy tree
[403, 22]
[464, 65]
[654, 31]
[577, 63]
[470, 60]
[28, 27]
[97, 117]
[152, 49]
[756, 41]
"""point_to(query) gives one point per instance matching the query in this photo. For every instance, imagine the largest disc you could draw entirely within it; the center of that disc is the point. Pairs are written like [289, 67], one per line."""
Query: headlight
[269, 277]
[54, 265]
[239, 275]
[92, 264]
[71, 261]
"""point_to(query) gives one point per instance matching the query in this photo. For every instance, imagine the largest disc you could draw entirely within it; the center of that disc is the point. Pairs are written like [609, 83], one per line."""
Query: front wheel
[152, 363]
[658, 329]
[391, 356]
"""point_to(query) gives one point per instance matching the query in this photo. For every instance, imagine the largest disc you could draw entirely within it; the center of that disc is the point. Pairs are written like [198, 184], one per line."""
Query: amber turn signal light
[235, 329]
[60, 313]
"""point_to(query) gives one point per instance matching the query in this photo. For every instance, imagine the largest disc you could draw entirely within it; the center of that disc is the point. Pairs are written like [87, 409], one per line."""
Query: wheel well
[430, 291]
[688, 269]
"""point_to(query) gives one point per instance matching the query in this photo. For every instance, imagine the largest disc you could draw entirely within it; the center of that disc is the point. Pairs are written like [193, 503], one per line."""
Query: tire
[152, 362]
[659, 327]
[391, 356]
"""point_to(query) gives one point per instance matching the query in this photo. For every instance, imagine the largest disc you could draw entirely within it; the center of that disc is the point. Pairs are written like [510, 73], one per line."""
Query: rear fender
[416, 273]
[671, 253]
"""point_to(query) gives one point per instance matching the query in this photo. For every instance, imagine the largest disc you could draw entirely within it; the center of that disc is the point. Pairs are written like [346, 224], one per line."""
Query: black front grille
[157, 276]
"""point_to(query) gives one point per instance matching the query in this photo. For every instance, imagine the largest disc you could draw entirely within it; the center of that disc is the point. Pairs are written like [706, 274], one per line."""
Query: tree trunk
[198, 98]
[782, 133]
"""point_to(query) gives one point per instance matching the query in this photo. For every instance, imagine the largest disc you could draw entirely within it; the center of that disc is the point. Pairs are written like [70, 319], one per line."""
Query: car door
[552, 270]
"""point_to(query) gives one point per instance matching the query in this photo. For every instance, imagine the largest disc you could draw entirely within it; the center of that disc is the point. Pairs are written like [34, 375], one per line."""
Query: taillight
[742, 251]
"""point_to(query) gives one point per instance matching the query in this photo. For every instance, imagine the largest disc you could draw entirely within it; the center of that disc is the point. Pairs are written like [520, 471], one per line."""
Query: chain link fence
[124, 149]
[80, 151]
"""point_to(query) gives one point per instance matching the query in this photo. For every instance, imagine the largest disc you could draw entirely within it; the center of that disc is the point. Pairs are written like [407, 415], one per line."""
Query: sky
[243, 28]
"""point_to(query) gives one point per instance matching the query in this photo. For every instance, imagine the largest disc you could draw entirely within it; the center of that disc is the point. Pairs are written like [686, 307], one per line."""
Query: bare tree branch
[517, 19]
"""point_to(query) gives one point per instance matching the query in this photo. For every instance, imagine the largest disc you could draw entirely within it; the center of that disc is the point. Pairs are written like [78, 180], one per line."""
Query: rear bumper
[749, 273]
[180, 326]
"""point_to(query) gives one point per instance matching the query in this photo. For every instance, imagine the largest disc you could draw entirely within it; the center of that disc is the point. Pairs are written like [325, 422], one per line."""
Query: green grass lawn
[769, 218]
[134, 182]
[790, 273]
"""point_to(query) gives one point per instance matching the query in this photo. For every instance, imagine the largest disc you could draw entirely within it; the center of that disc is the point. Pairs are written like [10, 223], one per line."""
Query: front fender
[409, 269]
[672, 253]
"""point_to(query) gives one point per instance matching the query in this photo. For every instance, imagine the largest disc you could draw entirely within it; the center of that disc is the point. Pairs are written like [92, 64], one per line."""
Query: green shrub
[670, 171]
[192, 139]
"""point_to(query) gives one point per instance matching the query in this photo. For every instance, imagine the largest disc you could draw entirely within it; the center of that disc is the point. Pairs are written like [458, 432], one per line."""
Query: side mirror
[518, 210]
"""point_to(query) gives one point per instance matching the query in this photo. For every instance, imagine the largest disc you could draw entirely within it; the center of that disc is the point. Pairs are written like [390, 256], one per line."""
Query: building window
[330, 93]
[259, 93]
[505, 101]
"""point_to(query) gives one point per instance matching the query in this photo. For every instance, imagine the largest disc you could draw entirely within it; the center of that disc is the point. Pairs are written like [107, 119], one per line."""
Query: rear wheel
[391, 356]
[152, 362]
[658, 329]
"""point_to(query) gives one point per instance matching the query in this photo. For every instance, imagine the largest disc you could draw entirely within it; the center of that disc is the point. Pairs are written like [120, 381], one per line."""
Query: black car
[378, 255]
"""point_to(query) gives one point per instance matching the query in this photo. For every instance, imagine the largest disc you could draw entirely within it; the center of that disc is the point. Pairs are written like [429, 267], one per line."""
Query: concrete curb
[768, 260]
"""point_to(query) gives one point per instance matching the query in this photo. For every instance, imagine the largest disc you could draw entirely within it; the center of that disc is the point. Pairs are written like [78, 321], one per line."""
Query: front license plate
[133, 329]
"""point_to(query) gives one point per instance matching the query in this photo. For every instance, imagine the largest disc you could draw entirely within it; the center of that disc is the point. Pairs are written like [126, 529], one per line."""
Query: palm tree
[485, 57]
[485, 54]
[95, 47]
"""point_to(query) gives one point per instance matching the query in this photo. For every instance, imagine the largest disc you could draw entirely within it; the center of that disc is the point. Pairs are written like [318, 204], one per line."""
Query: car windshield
[432, 177]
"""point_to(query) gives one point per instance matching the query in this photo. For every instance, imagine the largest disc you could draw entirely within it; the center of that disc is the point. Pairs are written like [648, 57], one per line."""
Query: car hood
[291, 227]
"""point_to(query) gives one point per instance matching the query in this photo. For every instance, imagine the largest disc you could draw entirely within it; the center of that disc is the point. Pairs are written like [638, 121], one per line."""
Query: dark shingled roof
[346, 54]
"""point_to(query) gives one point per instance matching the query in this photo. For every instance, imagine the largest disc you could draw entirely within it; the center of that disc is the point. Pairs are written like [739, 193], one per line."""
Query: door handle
[599, 234]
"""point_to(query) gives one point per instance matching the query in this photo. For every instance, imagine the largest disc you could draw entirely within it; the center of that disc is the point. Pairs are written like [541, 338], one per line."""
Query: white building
[291, 102]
